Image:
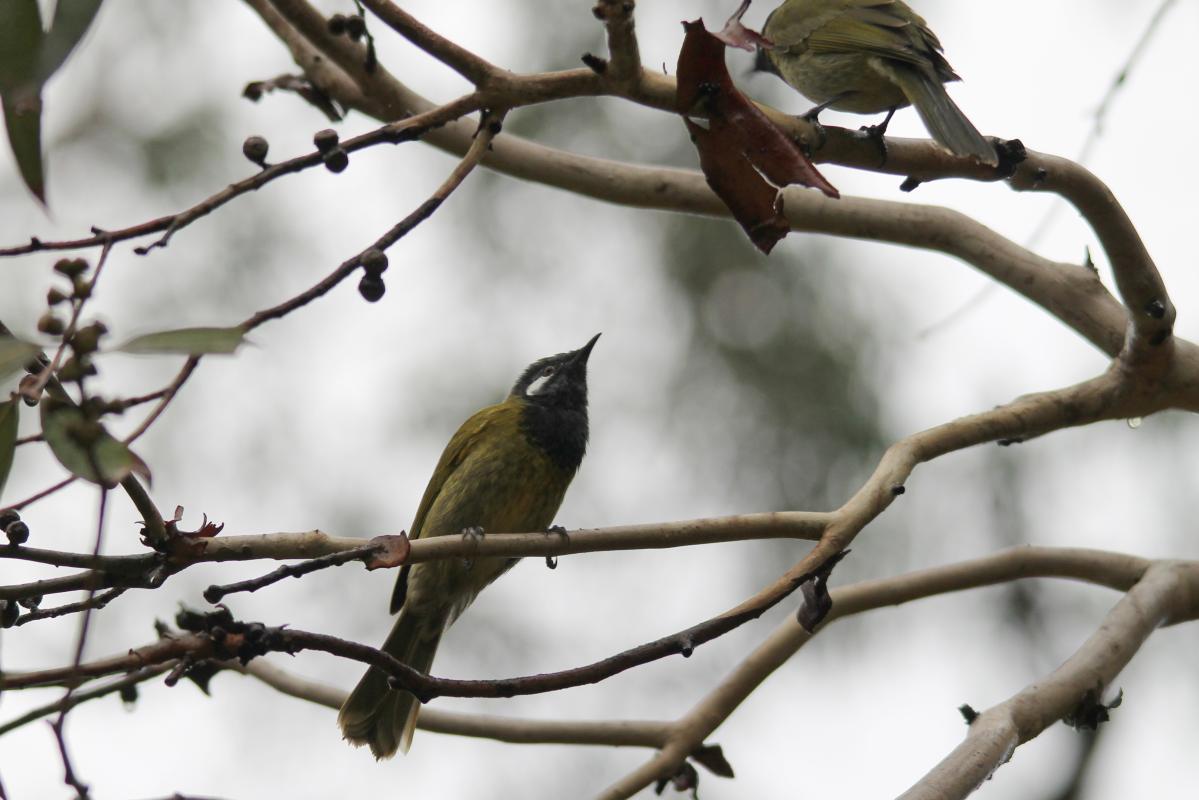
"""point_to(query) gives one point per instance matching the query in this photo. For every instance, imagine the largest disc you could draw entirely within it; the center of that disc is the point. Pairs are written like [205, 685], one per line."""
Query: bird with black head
[506, 470]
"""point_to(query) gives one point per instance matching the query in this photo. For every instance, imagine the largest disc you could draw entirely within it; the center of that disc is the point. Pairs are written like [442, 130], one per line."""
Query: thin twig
[94, 602]
[44, 493]
[67, 703]
[69, 777]
[164, 397]
[214, 594]
[391, 133]
[616, 733]
[488, 129]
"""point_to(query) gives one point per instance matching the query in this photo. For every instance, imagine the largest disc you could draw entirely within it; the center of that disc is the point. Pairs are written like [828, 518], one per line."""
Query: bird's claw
[555, 529]
[819, 134]
[472, 534]
[877, 134]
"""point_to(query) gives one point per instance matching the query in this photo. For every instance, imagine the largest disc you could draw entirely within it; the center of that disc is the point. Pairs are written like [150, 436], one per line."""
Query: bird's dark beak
[584, 352]
[762, 63]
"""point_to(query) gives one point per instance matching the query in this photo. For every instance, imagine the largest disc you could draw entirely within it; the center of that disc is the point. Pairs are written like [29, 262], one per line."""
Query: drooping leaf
[21, 39]
[71, 20]
[9, 417]
[14, 354]
[186, 341]
[23, 122]
[85, 448]
[745, 157]
[28, 57]
[753, 202]
[20, 43]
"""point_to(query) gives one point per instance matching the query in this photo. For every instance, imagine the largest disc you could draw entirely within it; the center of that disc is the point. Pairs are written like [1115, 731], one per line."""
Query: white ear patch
[538, 384]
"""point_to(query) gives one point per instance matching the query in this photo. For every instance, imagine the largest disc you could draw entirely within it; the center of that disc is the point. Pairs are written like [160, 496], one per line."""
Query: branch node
[1012, 153]
[596, 64]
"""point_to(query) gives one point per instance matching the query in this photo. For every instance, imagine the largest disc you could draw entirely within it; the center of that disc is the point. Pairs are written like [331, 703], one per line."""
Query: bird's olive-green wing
[456, 452]
[885, 28]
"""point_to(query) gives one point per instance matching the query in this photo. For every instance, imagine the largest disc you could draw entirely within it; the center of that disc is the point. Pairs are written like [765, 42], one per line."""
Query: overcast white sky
[336, 416]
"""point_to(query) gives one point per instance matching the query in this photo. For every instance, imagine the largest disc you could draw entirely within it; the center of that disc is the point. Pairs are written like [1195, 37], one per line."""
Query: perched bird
[867, 57]
[505, 471]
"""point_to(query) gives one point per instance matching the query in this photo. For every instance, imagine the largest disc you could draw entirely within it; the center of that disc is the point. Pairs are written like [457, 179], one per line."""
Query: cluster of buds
[75, 270]
[332, 153]
[14, 527]
[374, 264]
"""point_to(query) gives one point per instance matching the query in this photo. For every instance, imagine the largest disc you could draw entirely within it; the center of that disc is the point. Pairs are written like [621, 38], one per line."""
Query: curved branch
[470, 66]
[999, 730]
[1068, 291]
[1113, 570]
[621, 733]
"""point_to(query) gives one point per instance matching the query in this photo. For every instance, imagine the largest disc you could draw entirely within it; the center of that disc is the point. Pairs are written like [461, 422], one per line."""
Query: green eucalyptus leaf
[14, 353]
[21, 38]
[9, 417]
[187, 341]
[85, 448]
[71, 20]
[23, 121]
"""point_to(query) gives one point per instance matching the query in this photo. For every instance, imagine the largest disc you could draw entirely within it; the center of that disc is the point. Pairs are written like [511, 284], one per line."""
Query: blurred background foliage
[726, 382]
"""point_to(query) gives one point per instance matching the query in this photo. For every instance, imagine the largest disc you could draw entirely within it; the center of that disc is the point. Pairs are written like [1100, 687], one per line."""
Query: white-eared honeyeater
[505, 471]
[867, 57]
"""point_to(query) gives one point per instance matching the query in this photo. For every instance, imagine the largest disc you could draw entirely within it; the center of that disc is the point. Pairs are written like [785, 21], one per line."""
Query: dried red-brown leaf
[744, 156]
[393, 551]
[206, 530]
[734, 34]
[754, 203]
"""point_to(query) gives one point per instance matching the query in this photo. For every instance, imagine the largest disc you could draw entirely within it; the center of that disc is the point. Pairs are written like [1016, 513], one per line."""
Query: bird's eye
[548, 371]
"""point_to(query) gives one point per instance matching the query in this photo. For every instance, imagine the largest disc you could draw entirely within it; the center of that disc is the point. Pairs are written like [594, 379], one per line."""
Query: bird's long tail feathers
[944, 120]
[375, 714]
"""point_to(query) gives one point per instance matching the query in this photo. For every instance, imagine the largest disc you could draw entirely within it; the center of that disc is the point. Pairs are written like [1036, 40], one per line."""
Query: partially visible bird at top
[869, 57]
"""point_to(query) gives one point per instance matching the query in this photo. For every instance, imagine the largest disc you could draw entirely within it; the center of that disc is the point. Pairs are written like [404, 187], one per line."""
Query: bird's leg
[876, 133]
[558, 530]
[812, 117]
[475, 534]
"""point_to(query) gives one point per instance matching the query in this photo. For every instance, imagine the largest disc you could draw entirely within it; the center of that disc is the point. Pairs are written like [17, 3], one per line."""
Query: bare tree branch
[999, 730]
[622, 733]
[1113, 570]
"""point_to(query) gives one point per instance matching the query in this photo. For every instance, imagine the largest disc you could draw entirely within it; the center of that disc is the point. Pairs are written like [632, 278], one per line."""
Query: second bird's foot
[557, 530]
[819, 135]
[876, 134]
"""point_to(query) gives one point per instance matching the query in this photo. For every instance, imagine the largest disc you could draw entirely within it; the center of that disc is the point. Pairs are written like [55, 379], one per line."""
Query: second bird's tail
[375, 714]
[942, 117]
